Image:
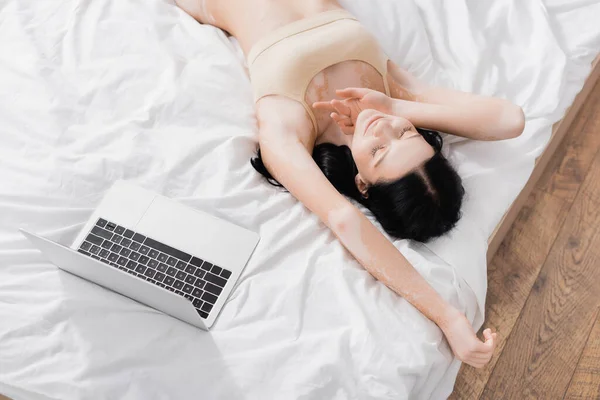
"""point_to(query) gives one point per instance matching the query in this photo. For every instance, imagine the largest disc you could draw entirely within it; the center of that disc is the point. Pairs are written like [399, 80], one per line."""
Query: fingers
[341, 107]
[484, 350]
[352, 92]
[323, 105]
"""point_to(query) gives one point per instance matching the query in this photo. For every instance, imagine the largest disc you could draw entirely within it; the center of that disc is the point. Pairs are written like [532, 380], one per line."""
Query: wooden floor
[544, 282]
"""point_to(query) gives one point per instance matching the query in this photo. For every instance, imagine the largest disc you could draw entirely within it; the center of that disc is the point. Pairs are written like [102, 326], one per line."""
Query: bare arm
[459, 113]
[286, 156]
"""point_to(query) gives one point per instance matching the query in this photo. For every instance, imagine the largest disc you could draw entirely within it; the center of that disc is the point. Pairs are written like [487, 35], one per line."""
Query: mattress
[92, 92]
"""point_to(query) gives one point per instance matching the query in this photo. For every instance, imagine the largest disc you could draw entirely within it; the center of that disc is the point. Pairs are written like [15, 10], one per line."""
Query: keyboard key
[150, 273]
[104, 253]
[151, 280]
[128, 233]
[172, 261]
[116, 238]
[189, 297]
[171, 271]
[144, 250]
[180, 275]
[196, 261]
[214, 289]
[197, 303]
[95, 249]
[180, 265]
[200, 273]
[96, 257]
[103, 233]
[94, 239]
[125, 242]
[113, 257]
[140, 269]
[110, 226]
[106, 244]
[119, 229]
[187, 288]
[207, 307]
[159, 276]
[199, 283]
[162, 257]
[125, 252]
[216, 270]
[143, 260]
[179, 292]
[211, 298]
[167, 249]
[134, 256]
[85, 245]
[161, 285]
[197, 292]
[116, 248]
[101, 222]
[135, 246]
[115, 265]
[122, 261]
[169, 280]
[153, 253]
[225, 274]
[161, 267]
[177, 284]
[84, 252]
[190, 269]
[206, 266]
[217, 280]
[190, 279]
[139, 238]
[203, 314]
[131, 264]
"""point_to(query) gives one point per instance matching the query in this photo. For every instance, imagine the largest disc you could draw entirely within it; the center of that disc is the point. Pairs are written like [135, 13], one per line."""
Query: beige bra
[285, 61]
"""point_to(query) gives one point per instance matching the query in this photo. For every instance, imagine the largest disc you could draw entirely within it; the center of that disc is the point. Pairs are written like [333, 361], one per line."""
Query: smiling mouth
[371, 122]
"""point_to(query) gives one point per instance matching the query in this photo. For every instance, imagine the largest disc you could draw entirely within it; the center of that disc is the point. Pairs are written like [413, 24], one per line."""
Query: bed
[91, 92]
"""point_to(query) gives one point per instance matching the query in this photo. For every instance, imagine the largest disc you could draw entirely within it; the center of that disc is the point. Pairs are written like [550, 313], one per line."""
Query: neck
[335, 136]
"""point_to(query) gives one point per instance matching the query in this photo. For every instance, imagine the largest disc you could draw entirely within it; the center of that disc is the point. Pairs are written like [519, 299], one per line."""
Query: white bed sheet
[91, 92]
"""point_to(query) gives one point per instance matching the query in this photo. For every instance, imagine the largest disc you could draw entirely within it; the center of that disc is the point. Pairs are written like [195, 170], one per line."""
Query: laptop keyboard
[191, 277]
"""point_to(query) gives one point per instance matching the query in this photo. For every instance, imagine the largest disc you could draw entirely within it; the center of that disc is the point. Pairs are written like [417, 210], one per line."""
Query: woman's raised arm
[285, 152]
[453, 111]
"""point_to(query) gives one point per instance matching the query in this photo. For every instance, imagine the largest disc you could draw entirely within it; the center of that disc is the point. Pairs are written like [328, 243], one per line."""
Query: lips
[370, 122]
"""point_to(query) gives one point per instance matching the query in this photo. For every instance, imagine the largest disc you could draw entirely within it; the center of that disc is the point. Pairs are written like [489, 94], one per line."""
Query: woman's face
[386, 147]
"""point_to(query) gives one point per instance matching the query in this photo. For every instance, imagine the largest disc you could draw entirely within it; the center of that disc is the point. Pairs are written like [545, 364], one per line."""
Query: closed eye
[406, 129]
[375, 149]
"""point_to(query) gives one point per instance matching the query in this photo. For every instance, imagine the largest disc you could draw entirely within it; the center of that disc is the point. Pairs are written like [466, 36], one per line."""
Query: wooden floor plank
[514, 269]
[585, 383]
[570, 162]
[542, 352]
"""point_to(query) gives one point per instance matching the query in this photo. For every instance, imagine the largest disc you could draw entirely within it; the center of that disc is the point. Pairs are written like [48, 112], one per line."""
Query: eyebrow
[383, 156]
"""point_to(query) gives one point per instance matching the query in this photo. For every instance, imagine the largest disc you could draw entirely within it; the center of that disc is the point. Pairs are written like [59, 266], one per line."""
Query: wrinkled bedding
[94, 91]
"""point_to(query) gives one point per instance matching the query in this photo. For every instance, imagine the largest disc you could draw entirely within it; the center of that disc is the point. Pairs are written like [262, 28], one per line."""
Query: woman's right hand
[464, 342]
[354, 100]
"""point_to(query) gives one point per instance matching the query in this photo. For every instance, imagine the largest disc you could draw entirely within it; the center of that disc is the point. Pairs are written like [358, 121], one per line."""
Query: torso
[250, 20]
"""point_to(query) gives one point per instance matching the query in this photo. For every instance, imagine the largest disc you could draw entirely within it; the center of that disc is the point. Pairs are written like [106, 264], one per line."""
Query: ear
[362, 186]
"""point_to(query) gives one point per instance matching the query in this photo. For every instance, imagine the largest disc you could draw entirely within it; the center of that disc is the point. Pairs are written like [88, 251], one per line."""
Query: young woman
[337, 117]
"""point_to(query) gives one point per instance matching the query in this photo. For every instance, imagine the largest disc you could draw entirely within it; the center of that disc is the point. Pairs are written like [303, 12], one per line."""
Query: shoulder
[281, 119]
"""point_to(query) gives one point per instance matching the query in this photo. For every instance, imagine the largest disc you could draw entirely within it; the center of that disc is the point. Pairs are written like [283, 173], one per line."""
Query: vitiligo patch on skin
[204, 11]
[349, 232]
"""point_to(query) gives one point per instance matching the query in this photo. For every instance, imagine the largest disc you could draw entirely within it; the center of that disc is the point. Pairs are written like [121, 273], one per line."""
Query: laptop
[181, 261]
